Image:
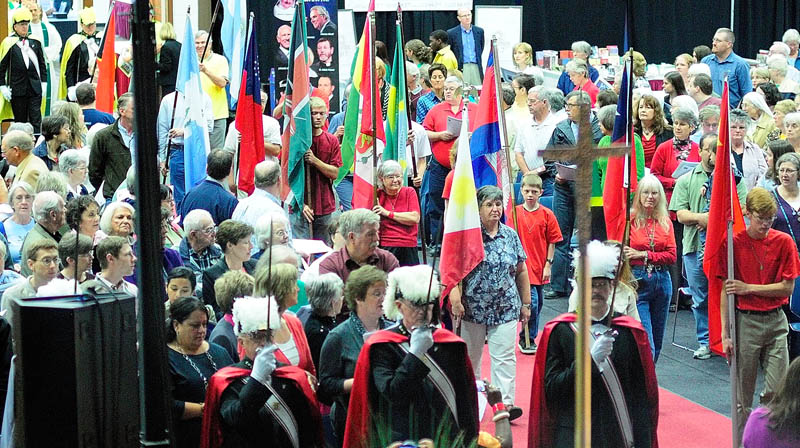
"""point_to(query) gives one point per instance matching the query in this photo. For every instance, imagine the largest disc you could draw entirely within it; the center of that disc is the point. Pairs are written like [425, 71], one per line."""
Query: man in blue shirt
[211, 194]
[85, 94]
[723, 61]
[467, 41]
[580, 50]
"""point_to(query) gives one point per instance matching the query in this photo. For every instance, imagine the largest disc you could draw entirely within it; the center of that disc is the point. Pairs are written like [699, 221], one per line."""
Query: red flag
[107, 66]
[248, 117]
[368, 133]
[615, 190]
[724, 208]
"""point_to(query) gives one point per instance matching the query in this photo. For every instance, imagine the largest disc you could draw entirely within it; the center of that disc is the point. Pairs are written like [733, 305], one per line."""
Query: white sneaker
[702, 353]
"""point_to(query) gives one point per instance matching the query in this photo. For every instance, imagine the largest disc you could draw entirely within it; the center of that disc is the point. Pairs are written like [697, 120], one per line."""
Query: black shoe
[514, 412]
[527, 349]
[553, 295]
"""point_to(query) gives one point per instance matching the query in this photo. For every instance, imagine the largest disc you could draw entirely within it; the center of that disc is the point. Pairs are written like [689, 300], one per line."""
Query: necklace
[651, 236]
[755, 254]
[530, 227]
[194, 366]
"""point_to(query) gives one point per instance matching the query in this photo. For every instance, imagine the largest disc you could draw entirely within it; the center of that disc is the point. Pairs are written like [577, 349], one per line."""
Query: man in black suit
[23, 72]
[466, 41]
[321, 21]
[281, 57]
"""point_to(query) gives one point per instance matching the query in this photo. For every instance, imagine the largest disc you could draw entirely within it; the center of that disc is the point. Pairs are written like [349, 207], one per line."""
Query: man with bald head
[16, 148]
[265, 198]
[281, 58]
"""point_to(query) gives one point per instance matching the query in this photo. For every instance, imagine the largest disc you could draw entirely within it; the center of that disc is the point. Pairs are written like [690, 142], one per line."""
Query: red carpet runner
[682, 423]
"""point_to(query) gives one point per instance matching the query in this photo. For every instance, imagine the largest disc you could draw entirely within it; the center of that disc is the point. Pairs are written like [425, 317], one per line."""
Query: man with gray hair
[112, 150]
[779, 50]
[466, 41]
[566, 134]
[580, 50]
[534, 136]
[723, 61]
[359, 228]
[321, 21]
[198, 248]
[50, 212]
[709, 122]
[265, 198]
[16, 148]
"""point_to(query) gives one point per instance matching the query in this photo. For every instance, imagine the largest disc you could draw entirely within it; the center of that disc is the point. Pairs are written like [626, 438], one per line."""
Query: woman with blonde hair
[280, 281]
[651, 250]
[682, 63]
[169, 52]
[72, 112]
[523, 62]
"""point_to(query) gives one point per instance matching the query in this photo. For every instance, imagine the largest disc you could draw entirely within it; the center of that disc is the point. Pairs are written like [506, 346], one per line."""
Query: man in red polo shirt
[441, 142]
[766, 266]
[323, 160]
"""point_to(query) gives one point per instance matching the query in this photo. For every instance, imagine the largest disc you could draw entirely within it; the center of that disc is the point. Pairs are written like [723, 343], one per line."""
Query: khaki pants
[760, 340]
[471, 75]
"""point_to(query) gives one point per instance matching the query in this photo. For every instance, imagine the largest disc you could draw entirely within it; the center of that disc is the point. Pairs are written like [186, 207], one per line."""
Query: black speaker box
[76, 372]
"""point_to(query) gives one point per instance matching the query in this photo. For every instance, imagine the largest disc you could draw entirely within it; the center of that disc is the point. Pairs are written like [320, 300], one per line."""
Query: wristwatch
[549, 260]
[526, 305]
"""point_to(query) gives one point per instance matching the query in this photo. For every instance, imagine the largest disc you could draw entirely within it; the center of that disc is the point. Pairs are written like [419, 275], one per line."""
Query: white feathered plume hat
[409, 283]
[603, 260]
[251, 314]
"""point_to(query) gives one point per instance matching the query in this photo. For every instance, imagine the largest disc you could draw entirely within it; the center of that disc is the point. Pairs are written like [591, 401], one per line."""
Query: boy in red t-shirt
[539, 232]
[766, 266]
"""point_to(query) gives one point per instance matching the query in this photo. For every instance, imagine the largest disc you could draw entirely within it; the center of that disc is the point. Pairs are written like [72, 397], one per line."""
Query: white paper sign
[409, 5]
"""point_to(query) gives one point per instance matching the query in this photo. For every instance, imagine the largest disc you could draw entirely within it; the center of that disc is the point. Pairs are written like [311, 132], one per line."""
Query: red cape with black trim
[359, 418]
[541, 424]
[212, 425]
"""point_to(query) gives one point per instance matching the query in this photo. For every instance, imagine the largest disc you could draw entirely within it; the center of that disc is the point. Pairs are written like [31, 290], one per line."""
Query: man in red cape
[236, 413]
[391, 384]
[551, 420]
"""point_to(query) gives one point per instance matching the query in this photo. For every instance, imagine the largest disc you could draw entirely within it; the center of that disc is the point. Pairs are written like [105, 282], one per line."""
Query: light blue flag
[233, 37]
[195, 134]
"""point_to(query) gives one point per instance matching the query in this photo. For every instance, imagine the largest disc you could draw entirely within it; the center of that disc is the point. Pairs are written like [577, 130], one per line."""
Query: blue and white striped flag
[234, 33]
[195, 134]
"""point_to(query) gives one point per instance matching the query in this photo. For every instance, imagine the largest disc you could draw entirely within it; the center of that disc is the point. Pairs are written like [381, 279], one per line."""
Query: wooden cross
[583, 155]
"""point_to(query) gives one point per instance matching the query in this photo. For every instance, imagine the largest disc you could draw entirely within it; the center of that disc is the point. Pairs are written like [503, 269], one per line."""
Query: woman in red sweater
[651, 250]
[671, 153]
[650, 124]
[398, 208]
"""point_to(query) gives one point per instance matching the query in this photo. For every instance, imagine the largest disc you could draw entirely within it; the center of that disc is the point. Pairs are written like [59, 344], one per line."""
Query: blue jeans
[345, 192]
[537, 296]
[655, 293]
[698, 285]
[564, 209]
[176, 175]
[432, 202]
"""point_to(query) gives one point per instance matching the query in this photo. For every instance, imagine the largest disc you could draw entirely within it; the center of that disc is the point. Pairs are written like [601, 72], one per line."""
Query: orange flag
[107, 68]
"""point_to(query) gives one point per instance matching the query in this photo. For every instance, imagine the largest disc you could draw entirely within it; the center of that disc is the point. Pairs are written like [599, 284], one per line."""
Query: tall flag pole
[233, 37]
[296, 109]
[462, 242]
[195, 138]
[249, 113]
[107, 64]
[489, 140]
[397, 112]
[364, 131]
[724, 218]
[621, 172]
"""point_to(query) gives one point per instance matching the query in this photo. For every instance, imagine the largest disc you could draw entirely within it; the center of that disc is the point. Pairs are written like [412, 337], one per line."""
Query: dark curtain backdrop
[662, 29]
